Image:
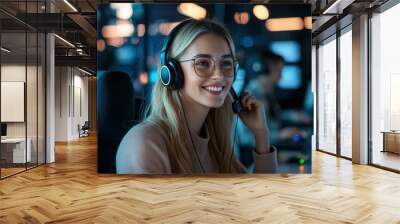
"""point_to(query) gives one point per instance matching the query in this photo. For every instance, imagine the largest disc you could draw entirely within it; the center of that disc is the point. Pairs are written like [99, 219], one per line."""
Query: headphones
[171, 74]
[170, 71]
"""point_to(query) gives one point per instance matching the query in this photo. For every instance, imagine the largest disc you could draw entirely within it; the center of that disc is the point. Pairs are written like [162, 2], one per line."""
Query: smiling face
[208, 91]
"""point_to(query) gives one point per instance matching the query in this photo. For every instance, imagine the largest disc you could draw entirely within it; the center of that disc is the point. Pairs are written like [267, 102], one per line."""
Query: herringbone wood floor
[71, 191]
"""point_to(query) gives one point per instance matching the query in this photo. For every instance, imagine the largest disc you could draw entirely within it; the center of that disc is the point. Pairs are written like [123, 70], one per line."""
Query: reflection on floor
[10, 169]
[387, 159]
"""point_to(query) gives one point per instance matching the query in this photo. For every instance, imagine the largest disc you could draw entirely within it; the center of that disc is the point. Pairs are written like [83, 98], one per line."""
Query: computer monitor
[3, 129]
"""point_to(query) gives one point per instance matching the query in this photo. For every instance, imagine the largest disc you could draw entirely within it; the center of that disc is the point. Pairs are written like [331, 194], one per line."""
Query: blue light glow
[138, 10]
[125, 54]
[153, 75]
[238, 84]
[291, 77]
[247, 41]
[289, 50]
[296, 138]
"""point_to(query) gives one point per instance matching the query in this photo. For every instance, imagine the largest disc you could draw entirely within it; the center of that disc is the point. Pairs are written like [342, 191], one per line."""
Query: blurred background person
[265, 71]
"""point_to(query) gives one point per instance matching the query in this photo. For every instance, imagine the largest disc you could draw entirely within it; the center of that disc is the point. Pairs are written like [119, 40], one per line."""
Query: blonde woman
[189, 123]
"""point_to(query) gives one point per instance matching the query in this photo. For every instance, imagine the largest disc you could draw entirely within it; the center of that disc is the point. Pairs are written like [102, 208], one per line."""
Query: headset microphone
[236, 104]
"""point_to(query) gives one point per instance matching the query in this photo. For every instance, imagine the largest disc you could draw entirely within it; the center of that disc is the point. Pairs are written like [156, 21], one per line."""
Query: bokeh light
[261, 12]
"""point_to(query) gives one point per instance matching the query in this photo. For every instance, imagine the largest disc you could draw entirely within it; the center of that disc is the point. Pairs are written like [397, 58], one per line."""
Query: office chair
[84, 129]
[116, 110]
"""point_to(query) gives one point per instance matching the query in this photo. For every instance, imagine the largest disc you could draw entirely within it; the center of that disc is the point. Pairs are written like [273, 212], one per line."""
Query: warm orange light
[117, 6]
[122, 29]
[308, 22]
[302, 169]
[241, 17]
[284, 24]
[192, 10]
[143, 78]
[115, 41]
[141, 30]
[261, 12]
[101, 45]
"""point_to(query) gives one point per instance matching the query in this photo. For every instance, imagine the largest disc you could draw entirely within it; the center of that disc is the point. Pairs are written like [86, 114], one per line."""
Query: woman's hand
[253, 116]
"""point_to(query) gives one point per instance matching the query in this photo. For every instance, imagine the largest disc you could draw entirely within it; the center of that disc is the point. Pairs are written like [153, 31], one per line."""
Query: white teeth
[214, 88]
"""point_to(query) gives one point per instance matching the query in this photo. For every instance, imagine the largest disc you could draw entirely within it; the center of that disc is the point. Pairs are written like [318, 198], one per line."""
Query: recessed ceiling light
[70, 5]
[5, 50]
[64, 40]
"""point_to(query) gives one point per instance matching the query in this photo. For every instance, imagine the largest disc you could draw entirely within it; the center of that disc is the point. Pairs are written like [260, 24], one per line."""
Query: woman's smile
[215, 89]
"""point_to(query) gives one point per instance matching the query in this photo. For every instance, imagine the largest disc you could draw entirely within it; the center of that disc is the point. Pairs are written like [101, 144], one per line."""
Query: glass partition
[14, 153]
[22, 89]
[41, 91]
[327, 96]
[31, 100]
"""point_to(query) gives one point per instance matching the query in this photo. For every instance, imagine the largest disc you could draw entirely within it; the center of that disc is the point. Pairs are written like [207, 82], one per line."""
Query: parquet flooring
[10, 171]
[71, 191]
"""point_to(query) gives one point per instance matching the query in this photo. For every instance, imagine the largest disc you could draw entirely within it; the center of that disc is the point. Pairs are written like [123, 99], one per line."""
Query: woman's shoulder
[146, 131]
[143, 150]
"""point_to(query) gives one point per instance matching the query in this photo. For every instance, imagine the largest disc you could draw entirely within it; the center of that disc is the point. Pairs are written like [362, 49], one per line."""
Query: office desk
[391, 141]
[15, 148]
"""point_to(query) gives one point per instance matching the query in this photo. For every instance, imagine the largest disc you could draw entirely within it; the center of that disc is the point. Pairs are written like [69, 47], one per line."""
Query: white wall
[71, 93]
[80, 100]
[12, 73]
[33, 126]
[61, 103]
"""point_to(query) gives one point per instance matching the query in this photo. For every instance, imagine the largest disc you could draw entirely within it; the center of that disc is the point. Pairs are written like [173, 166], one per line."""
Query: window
[346, 94]
[385, 89]
[327, 96]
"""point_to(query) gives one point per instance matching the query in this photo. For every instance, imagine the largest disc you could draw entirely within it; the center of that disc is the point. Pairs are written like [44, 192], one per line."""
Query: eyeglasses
[205, 66]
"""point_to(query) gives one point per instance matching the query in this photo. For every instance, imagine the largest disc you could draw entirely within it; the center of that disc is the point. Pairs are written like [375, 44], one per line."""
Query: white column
[50, 110]
[360, 90]
[50, 93]
[62, 103]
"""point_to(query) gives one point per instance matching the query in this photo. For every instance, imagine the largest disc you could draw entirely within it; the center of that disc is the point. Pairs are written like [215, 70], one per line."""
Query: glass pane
[385, 86]
[346, 94]
[13, 86]
[22, 80]
[327, 97]
[31, 97]
[32, 84]
[41, 99]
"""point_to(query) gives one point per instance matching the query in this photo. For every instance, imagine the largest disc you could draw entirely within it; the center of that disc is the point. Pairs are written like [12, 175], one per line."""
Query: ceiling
[79, 27]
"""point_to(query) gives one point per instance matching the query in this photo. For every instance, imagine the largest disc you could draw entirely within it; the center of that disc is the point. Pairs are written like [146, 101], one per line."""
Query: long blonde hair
[166, 110]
